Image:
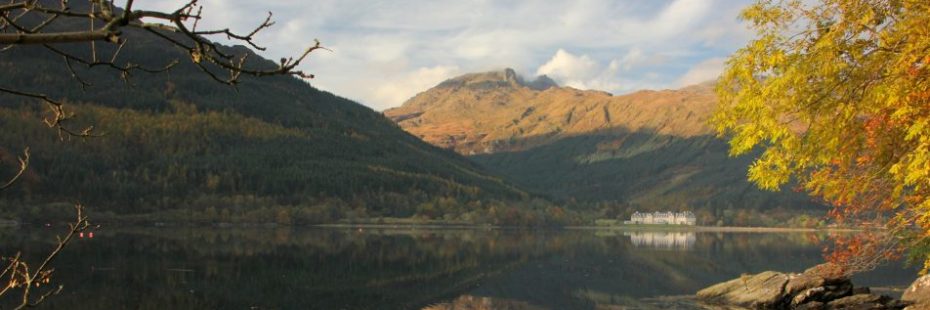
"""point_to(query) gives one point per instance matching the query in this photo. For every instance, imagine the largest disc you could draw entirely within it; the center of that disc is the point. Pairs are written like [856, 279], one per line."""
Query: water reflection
[184, 268]
[470, 302]
[662, 240]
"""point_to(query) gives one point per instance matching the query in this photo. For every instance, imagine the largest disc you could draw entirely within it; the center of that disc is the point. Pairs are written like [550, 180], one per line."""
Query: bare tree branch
[19, 276]
[170, 27]
[23, 165]
[58, 37]
[29, 22]
[59, 115]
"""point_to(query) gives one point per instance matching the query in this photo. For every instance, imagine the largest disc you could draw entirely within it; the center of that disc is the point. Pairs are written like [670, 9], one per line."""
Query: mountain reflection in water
[408, 268]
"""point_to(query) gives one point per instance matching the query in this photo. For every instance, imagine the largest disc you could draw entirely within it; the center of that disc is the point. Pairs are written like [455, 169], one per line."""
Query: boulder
[820, 283]
[765, 290]
[822, 293]
[918, 293]
[814, 305]
[861, 290]
[864, 302]
[830, 272]
[838, 290]
[824, 286]
[800, 282]
[807, 296]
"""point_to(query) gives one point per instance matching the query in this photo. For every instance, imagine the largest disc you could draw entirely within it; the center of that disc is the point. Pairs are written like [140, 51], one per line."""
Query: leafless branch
[59, 116]
[29, 22]
[170, 27]
[23, 165]
[20, 277]
[173, 24]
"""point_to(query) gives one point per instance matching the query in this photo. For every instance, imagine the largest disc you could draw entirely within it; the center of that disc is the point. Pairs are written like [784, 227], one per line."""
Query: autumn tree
[836, 96]
[93, 34]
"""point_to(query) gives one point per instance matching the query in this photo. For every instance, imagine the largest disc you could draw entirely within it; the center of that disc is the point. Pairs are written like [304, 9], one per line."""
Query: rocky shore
[820, 287]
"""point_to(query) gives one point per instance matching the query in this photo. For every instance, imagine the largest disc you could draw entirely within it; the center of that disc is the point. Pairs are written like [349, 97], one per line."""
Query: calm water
[236, 268]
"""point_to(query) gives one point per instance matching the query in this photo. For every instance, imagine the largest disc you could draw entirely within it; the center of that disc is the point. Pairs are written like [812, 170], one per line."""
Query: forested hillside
[180, 140]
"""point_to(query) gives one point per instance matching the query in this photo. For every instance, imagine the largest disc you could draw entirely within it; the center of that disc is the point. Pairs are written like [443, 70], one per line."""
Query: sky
[384, 52]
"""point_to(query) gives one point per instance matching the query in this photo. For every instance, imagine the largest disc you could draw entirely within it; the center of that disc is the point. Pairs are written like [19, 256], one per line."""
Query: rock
[821, 283]
[809, 295]
[822, 293]
[820, 287]
[839, 290]
[861, 301]
[830, 272]
[761, 291]
[865, 301]
[918, 293]
[801, 282]
[918, 307]
[814, 305]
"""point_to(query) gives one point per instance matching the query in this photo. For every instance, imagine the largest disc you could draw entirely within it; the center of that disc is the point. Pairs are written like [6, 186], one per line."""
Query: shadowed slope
[649, 148]
[177, 138]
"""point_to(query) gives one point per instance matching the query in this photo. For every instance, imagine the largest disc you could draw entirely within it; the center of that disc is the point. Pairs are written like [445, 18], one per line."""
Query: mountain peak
[495, 79]
[542, 82]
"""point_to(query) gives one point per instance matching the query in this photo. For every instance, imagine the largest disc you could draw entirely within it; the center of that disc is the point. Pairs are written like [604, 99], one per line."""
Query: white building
[663, 218]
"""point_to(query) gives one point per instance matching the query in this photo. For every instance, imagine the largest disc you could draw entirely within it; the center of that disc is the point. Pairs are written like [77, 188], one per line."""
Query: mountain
[650, 149]
[181, 141]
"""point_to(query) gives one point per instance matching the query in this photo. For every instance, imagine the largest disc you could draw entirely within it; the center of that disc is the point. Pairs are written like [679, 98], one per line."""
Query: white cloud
[613, 45]
[567, 67]
[409, 84]
[704, 71]
[583, 72]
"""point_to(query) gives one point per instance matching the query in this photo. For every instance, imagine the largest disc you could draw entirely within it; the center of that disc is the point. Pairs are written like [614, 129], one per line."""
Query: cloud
[704, 71]
[567, 67]
[583, 72]
[386, 50]
[409, 84]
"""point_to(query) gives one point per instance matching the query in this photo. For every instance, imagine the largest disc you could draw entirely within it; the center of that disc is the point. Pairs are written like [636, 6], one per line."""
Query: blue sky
[384, 52]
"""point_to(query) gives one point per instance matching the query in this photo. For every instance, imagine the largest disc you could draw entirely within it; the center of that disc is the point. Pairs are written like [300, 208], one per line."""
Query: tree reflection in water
[410, 268]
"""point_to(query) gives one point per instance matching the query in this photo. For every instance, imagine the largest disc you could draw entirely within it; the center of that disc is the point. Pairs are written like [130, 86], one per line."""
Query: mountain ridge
[490, 79]
[449, 116]
[650, 149]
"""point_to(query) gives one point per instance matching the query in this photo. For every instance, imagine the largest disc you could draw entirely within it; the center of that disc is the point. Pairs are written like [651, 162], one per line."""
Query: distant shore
[407, 225]
[712, 228]
[439, 224]
[600, 228]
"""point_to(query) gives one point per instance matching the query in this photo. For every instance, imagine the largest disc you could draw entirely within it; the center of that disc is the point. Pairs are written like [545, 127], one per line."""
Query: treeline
[185, 165]
[614, 213]
[438, 211]
[181, 141]
[153, 161]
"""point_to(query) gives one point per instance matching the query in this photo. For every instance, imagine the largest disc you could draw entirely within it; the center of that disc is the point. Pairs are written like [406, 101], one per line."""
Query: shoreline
[465, 226]
[715, 228]
[597, 228]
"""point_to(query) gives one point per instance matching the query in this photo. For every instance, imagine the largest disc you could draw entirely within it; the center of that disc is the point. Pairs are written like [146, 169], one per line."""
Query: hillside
[650, 149]
[496, 112]
[179, 140]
